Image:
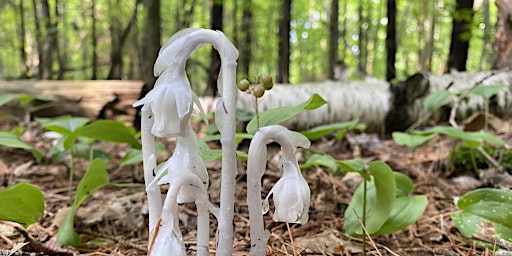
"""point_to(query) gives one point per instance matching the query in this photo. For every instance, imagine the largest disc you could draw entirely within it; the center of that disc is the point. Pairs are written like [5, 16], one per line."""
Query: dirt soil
[113, 221]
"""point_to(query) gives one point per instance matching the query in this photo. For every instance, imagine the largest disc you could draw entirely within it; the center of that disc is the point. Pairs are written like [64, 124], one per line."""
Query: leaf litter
[113, 221]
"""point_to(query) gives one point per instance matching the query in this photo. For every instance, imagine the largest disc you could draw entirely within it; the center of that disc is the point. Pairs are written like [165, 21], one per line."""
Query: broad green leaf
[492, 204]
[95, 177]
[352, 165]
[318, 132]
[278, 115]
[406, 210]
[381, 193]
[21, 203]
[473, 139]
[321, 160]
[404, 185]
[412, 141]
[473, 225]
[64, 125]
[13, 141]
[487, 91]
[108, 130]
[22, 97]
[437, 99]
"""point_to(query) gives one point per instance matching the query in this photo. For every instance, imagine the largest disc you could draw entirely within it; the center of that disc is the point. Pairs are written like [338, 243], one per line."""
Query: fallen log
[93, 99]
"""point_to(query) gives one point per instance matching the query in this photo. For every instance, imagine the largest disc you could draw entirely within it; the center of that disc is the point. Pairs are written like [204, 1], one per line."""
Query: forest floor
[113, 221]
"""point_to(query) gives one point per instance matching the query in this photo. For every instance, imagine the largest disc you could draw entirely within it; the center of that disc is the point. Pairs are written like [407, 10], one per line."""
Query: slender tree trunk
[361, 43]
[333, 38]
[283, 65]
[391, 42]
[94, 42]
[422, 38]
[503, 44]
[119, 39]
[23, 54]
[151, 41]
[461, 27]
[245, 46]
[43, 45]
[59, 51]
[487, 33]
[215, 24]
[430, 44]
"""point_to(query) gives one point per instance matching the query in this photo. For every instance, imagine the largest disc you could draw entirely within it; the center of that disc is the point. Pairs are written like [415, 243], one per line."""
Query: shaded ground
[113, 221]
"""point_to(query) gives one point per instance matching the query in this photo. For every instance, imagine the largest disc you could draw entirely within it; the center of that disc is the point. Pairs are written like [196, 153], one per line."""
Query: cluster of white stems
[166, 112]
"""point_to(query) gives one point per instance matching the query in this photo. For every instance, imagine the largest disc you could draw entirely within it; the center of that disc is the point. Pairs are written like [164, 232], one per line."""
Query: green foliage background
[308, 37]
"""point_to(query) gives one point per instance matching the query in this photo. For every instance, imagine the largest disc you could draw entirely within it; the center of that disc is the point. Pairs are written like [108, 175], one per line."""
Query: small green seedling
[10, 139]
[95, 178]
[382, 202]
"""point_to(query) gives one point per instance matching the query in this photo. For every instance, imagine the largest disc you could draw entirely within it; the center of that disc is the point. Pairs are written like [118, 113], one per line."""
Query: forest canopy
[94, 39]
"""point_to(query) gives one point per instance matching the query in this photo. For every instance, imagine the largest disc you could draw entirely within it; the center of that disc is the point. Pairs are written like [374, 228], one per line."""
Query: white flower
[170, 102]
[291, 195]
[185, 160]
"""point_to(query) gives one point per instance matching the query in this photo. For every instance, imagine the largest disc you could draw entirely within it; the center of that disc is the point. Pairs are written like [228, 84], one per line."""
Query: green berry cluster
[265, 83]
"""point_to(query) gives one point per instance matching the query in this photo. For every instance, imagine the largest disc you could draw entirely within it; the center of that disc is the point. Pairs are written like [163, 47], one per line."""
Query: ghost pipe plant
[291, 192]
[166, 112]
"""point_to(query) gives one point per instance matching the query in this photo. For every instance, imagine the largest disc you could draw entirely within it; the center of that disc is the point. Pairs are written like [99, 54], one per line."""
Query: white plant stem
[149, 164]
[203, 227]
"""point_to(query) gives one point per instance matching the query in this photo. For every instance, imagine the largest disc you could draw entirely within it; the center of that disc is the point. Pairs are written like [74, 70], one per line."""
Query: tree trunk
[487, 33]
[333, 38]
[362, 42]
[55, 42]
[283, 65]
[151, 41]
[216, 24]
[391, 43]
[118, 41]
[461, 33]
[245, 46]
[23, 54]
[503, 44]
[94, 42]
[43, 43]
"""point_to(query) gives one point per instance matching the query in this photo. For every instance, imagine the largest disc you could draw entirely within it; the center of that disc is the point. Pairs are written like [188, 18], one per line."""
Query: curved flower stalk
[168, 239]
[166, 112]
[291, 192]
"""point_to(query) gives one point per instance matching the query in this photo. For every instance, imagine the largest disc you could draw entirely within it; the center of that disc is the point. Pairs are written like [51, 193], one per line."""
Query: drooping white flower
[170, 102]
[185, 159]
[291, 195]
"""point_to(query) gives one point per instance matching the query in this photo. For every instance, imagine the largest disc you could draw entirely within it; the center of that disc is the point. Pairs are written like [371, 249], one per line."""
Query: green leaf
[487, 91]
[473, 139]
[95, 177]
[381, 193]
[67, 234]
[108, 130]
[321, 160]
[412, 141]
[83, 150]
[278, 115]
[352, 165]
[406, 210]
[487, 212]
[492, 204]
[22, 97]
[64, 125]
[318, 132]
[21, 203]
[437, 99]
[13, 141]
